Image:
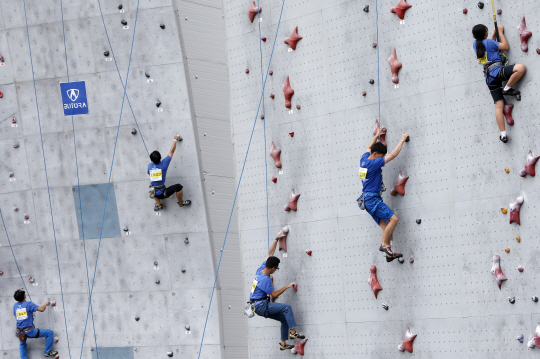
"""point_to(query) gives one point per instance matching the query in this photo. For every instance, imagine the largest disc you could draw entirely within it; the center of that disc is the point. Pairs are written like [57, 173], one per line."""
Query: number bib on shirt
[254, 285]
[155, 175]
[21, 314]
[362, 173]
[483, 60]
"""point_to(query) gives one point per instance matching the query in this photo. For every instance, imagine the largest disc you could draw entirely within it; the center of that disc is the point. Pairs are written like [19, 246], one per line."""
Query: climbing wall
[155, 271]
[455, 162]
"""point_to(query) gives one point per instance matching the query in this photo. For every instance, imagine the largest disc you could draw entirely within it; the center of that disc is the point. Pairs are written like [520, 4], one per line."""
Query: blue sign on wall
[74, 98]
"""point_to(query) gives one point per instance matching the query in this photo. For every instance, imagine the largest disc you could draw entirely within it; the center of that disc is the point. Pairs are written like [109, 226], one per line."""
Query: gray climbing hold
[366, 8]
[534, 299]
[512, 300]
[156, 263]
[147, 74]
[124, 22]
[170, 354]
[126, 229]
[520, 338]
[418, 221]
[408, 139]
[480, 5]
[372, 81]
[16, 145]
[106, 53]
[385, 306]
[401, 260]
[180, 139]
[133, 131]
[183, 271]
[158, 103]
[186, 241]
[188, 327]
[120, 7]
[162, 26]
[137, 319]
[157, 281]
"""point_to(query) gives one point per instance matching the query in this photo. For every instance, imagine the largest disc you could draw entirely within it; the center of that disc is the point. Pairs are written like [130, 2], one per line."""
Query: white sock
[503, 134]
[506, 88]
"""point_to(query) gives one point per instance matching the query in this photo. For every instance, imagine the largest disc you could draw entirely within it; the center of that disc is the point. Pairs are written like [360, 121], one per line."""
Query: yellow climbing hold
[504, 210]
[507, 250]
[518, 238]
[507, 170]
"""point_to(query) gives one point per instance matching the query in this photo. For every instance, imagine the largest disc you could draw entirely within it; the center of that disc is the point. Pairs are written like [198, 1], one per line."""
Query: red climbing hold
[408, 341]
[283, 240]
[293, 39]
[400, 185]
[274, 179]
[299, 347]
[289, 92]
[514, 210]
[1, 94]
[275, 153]
[26, 216]
[263, 39]
[15, 145]
[465, 11]
[538, 51]
[253, 10]
[1, 272]
[364, 93]
[499, 12]
[262, 117]
[530, 164]
[56, 339]
[298, 107]
[524, 35]
[247, 71]
[497, 271]
[53, 303]
[400, 9]
[309, 252]
[373, 281]
[293, 201]
[383, 133]
[11, 174]
[31, 280]
[272, 96]
[295, 287]
[291, 134]
[521, 269]
[13, 120]
[271, 73]
[508, 114]
[16, 209]
[395, 65]
[1, 58]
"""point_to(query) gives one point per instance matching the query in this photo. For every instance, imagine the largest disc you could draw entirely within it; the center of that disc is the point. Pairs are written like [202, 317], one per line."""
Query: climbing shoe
[511, 92]
[52, 353]
[296, 335]
[393, 256]
[184, 203]
[285, 347]
[386, 250]
[504, 139]
[157, 207]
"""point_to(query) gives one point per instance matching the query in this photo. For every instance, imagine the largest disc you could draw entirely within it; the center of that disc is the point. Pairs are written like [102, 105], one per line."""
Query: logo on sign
[74, 98]
[73, 94]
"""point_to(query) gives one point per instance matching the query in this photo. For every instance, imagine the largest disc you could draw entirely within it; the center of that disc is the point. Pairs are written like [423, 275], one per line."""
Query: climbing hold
[518, 97]
[120, 7]
[514, 210]
[186, 240]
[137, 319]
[106, 53]
[497, 271]
[158, 103]
[520, 338]
[263, 39]
[508, 114]
[395, 66]
[400, 185]
[538, 51]
[385, 306]
[512, 300]
[521, 269]
[382, 134]
[187, 327]
[162, 26]
[13, 120]
[16, 209]
[518, 238]
[480, 5]
[507, 170]
[499, 12]
[124, 22]
[53, 303]
[31, 280]
[293, 39]
[507, 250]
[15, 145]
[1, 94]
[247, 71]
[524, 35]
[291, 134]
[400, 9]
[289, 92]
[534, 299]
[147, 74]
[298, 107]
[295, 287]
[309, 251]
[170, 354]
[407, 342]
[1, 58]
[373, 281]
[299, 347]
[156, 263]
[401, 260]
[364, 93]
[183, 271]
[272, 96]
[11, 174]
[374, 45]
[253, 11]
[274, 179]
[371, 81]
[283, 240]
[157, 281]
[126, 229]
[271, 73]
[418, 221]
[366, 8]
[411, 260]
[26, 216]
[133, 131]
[262, 117]
[293, 201]
[504, 210]
[56, 339]
[275, 153]
[1, 272]
[530, 164]
[465, 11]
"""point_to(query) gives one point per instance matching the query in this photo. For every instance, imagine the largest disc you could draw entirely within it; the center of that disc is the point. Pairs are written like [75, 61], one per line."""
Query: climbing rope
[46, 178]
[110, 172]
[240, 179]
[378, 65]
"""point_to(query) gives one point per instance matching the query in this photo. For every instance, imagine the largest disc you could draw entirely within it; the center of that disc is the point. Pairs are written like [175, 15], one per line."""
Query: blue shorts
[378, 209]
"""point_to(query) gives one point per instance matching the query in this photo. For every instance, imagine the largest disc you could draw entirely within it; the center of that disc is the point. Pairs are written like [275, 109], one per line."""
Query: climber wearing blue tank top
[487, 53]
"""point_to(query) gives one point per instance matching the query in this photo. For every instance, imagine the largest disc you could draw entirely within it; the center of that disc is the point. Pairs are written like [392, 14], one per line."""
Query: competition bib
[362, 173]
[483, 60]
[254, 285]
[155, 175]
[21, 314]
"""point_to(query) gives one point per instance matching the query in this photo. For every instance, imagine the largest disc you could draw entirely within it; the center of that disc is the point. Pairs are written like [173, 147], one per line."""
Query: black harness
[265, 300]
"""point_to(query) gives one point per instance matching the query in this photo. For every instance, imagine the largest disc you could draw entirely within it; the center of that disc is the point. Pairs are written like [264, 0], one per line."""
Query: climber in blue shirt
[157, 170]
[371, 164]
[24, 313]
[263, 294]
[495, 71]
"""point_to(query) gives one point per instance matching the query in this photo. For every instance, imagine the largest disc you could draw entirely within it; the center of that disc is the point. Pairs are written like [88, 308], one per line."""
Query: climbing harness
[22, 333]
[152, 190]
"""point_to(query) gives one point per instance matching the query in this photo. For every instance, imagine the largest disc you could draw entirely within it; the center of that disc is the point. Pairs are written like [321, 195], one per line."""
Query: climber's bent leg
[389, 230]
[518, 70]
[283, 313]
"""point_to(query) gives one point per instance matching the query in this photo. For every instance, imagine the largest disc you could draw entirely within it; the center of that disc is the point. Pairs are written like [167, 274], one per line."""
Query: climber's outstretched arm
[396, 150]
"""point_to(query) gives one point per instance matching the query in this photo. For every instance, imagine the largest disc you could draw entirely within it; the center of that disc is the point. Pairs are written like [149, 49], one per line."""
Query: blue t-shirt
[24, 312]
[262, 284]
[159, 171]
[372, 171]
[492, 53]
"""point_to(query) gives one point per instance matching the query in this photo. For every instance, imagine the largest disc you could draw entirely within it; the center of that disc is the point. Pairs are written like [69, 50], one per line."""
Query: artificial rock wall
[455, 162]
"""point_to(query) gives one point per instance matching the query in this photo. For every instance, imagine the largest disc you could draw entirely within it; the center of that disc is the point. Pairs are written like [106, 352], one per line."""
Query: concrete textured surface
[455, 162]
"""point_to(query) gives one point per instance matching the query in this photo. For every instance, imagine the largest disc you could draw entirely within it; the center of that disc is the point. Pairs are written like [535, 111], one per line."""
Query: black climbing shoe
[157, 207]
[503, 139]
[296, 335]
[511, 92]
[285, 347]
[52, 353]
[386, 250]
[393, 256]
[184, 203]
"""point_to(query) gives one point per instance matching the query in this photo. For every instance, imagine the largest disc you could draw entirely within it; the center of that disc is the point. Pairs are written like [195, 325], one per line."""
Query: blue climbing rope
[240, 179]
[110, 174]
[378, 65]
[264, 132]
[78, 182]
[15, 259]
[46, 177]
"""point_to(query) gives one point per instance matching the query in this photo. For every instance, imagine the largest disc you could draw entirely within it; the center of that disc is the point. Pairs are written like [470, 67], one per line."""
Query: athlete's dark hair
[155, 157]
[272, 262]
[479, 33]
[379, 148]
[19, 295]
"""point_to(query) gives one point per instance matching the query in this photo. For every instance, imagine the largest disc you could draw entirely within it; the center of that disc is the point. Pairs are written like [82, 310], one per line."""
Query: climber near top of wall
[371, 164]
[487, 53]
[157, 170]
[24, 313]
[260, 301]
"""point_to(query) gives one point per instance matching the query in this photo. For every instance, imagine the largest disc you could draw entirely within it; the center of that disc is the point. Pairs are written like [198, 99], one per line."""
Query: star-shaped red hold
[293, 201]
[253, 10]
[407, 342]
[400, 9]
[289, 92]
[293, 39]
